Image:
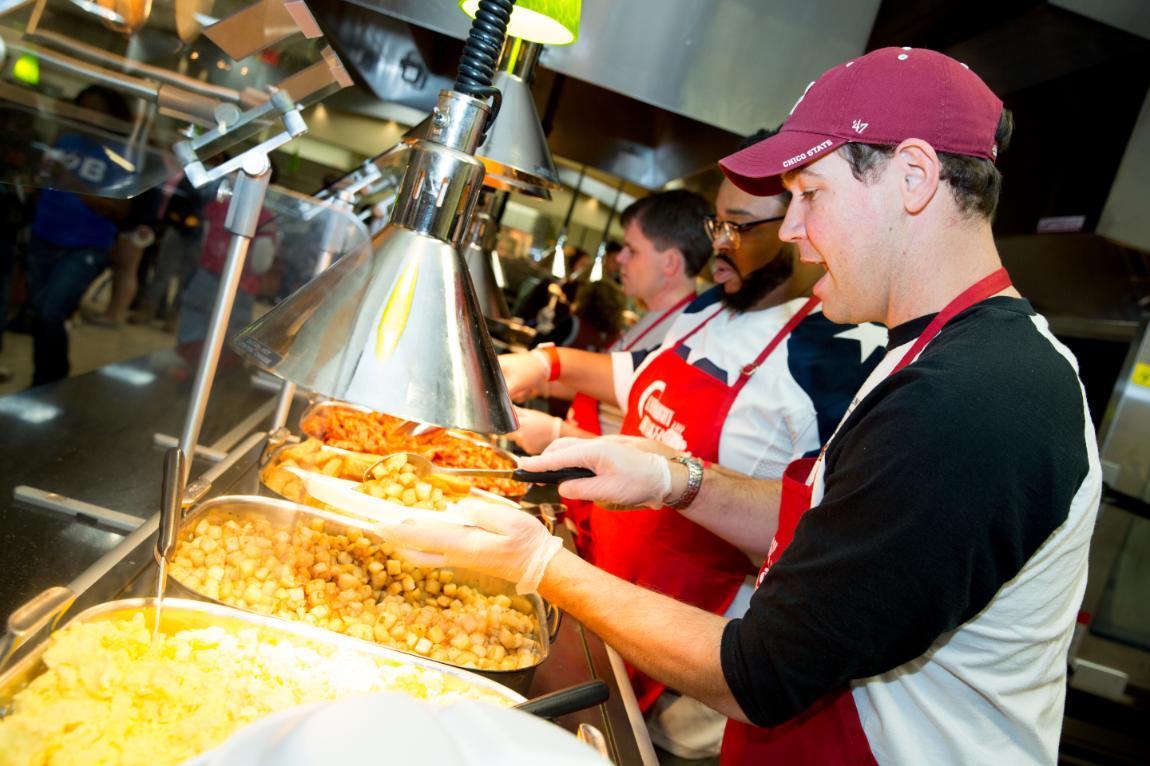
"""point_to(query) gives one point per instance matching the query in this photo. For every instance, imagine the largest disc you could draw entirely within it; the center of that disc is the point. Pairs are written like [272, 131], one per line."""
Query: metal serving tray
[478, 440]
[182, 614]
[318, 408]
[283, 514]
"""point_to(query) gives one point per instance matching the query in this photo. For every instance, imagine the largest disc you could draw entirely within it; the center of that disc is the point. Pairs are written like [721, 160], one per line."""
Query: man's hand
[625, 474]
[536, 430]
[525, 374]
[501, 541]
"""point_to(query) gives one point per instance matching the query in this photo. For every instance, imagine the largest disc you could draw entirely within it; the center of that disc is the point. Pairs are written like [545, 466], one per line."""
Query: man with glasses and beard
[750, 376]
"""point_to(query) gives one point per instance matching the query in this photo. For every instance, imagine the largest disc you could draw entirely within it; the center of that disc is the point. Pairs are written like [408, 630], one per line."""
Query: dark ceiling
[1075, 86]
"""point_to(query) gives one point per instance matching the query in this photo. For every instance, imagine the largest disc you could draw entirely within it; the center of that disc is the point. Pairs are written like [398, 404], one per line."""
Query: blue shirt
[62, 218]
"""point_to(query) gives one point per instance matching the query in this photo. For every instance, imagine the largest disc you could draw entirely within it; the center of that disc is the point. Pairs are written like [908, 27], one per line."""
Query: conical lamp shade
[515, 154]
[365, 330]
[477, 254]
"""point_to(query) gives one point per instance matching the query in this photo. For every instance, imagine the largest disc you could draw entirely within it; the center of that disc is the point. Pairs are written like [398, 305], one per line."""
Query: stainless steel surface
[207, 453]
[48, 440]
[1125, 432]
[457, 121]
[593, 737]
[663, 70]
[242, 220]
[515, 152]
[53, 501]
[692, 51]
[55, 550]
[184, 614]
[283, 514]
[396, 328]
[479, 254]
[630, 704]
[441, 184]
[399, 328]
[26, 621]
[171, 503]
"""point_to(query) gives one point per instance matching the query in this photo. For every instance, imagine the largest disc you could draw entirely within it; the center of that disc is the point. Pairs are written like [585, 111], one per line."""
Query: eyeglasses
[731, 230]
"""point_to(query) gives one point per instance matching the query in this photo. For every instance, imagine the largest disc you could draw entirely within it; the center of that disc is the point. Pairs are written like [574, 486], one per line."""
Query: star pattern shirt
[794, 400]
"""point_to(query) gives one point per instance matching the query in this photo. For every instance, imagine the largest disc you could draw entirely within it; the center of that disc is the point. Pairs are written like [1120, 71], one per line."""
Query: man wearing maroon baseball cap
[922, 574]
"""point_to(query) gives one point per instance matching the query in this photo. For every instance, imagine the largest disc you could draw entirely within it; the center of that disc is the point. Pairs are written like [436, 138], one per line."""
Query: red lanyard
[976, 293]
[749, 369]
[686, 299]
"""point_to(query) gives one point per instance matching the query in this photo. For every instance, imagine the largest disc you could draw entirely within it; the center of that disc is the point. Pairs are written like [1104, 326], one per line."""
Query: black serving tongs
[424, 467]
[567, 700]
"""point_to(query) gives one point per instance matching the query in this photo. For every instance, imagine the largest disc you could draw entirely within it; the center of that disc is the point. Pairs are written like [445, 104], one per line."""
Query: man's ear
[675, 262]
[918, 168]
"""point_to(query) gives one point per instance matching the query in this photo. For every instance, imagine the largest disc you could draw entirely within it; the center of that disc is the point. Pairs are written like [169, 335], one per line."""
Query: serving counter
[80, 490]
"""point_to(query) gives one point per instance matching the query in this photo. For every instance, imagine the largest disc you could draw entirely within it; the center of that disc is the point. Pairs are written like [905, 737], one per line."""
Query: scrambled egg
[112, 696]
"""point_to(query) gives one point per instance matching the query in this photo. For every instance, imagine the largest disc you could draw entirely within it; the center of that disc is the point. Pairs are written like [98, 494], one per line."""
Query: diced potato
[349, 581]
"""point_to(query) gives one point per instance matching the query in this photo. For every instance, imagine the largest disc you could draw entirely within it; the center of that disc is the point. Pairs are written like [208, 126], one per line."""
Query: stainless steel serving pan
[283, 514]
[319, 408]
[182, 614]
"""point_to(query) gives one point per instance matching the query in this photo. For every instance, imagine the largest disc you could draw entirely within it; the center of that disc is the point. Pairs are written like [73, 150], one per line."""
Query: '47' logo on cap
[859, 126]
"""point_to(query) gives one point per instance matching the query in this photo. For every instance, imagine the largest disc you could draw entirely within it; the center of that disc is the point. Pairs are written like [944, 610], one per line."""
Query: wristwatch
[694, 481]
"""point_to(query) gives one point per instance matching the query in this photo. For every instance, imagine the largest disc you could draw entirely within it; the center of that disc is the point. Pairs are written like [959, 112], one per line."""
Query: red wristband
[553, 356]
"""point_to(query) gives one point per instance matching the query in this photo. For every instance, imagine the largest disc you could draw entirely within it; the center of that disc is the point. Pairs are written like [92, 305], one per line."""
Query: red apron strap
[749, 369]
[976, 293]
[698, 327]
[686, 299]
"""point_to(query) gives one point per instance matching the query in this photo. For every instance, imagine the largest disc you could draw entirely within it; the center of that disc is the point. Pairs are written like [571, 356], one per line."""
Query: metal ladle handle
[171, 503]
[26, 621]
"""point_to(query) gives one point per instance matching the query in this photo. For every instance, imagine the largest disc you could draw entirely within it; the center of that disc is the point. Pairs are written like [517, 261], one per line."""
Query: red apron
[584, 414]
[679, 405]
[829, 732]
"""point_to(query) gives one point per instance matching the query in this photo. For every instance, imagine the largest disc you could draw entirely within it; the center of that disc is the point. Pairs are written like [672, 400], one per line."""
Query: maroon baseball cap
[884, 97]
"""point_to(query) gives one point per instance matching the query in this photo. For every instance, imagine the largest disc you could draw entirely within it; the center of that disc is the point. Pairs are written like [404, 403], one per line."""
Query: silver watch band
[694, 481]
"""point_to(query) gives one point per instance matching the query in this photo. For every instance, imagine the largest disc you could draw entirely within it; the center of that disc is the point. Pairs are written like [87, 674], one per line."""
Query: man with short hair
[664, 249]
[750, 376]
[924, 573]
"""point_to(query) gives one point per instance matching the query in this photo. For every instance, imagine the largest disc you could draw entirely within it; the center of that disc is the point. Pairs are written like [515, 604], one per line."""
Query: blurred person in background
[611, 261]
[595, 320]
[664, 248]
[71, 233]
[13, 212]
[199, 297]
[137, 235]
[177, 259]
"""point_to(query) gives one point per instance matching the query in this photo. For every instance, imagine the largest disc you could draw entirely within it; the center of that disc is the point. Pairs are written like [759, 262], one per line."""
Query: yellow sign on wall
[1141, 376]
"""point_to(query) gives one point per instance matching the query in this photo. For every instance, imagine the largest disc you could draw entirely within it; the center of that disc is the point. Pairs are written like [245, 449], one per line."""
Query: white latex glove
[536, 430]
[525, 373]
[624, 474]
[504, 542]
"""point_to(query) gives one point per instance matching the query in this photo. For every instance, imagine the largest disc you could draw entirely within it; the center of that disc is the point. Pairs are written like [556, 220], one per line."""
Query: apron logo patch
[657, 420]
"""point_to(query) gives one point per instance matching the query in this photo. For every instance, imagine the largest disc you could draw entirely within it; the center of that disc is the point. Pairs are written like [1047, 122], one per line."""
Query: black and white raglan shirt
[940, 572]
[792, 402]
